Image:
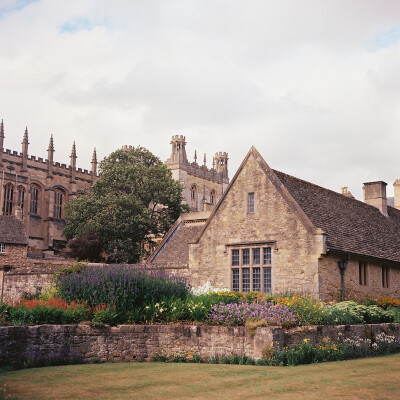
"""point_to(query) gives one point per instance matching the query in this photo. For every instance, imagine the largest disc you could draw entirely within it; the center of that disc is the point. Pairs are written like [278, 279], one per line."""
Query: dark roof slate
[350, 225]
[177, 245]
[12, 230]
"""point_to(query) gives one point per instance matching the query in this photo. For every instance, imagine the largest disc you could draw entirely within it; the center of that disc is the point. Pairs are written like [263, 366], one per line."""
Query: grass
[369, 378]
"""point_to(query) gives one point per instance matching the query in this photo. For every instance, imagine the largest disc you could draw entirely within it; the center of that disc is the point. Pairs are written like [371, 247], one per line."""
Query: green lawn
[370, 378]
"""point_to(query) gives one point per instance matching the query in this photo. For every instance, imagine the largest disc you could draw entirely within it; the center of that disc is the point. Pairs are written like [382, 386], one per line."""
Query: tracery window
[8, 199]
[21, 197]
[34, 199]
[58, 203]
[193, 197]
[212, 197]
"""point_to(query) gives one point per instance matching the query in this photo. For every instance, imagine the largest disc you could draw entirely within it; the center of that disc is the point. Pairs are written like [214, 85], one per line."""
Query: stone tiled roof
[177, 245]
[350, 225]
[12, 230]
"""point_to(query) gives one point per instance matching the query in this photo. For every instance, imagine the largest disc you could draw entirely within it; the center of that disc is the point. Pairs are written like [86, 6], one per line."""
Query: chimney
[375, 195]
[346, 192]
[396, 187]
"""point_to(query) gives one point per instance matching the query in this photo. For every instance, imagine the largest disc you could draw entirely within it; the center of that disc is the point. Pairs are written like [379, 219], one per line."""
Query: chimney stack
[396, 187]
[375, 195]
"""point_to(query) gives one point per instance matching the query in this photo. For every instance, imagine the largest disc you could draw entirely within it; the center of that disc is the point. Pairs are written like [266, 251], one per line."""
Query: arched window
[8, 199]
[34, 200]
[58, 203]
[212, 197]
[21, 197]
[193, 197]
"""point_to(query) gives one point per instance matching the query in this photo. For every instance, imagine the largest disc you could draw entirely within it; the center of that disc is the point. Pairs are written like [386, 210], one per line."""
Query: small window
[267, 255]
[246, 279]
[251, 202]
[212, 197]
[2, 248]
[235, 258]
[362, 273]
[385, 276]
[246, 257]
[235, 280]
[267, 280]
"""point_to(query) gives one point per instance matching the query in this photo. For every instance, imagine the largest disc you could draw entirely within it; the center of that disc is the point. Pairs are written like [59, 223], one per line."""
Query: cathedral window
[193, 197]
[58, 203]
[212, 197]
[34, 200]
[8, 199]
[385, 276]
[21, 197]
[362, 273]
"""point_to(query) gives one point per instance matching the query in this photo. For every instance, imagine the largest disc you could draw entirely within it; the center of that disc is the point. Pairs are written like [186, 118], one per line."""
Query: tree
[134, 201]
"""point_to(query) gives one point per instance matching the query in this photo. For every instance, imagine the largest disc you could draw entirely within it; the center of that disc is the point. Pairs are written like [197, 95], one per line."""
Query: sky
[313, 85]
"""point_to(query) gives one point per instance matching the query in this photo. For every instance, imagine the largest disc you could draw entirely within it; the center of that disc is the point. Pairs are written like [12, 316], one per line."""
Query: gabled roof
[350, 225]
[12, 230]
[176, 242]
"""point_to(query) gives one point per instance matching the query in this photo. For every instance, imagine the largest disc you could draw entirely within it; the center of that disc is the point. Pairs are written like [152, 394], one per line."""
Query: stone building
[276, 233]
[37, 190]
[203, 187]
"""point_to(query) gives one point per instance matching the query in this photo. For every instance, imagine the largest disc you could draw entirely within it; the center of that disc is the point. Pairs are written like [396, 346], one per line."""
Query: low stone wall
[141, 342]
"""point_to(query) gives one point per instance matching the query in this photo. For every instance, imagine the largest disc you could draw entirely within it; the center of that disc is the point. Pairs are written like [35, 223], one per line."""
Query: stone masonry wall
[294, 267]
[141, 342]
[330, 287]
[33, 276]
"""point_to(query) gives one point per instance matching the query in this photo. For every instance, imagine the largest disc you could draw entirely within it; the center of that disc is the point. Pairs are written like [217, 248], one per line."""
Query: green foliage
[349, 312]
[76, 268]
[47, 315]
[134, 200]
[106, 316]
[305, 353]
[49, 293]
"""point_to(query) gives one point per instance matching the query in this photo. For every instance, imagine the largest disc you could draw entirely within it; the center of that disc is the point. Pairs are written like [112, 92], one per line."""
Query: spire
[25, 144]
[25, 139]
[2, 130]
[50, 155]
[195, 157]
[51, 144]
[94, 165]
[205, 160]
[73, 151]
[1, 141]
[72, 164]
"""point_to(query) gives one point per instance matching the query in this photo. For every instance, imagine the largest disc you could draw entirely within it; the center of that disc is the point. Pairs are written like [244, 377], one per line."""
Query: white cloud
[313, 85]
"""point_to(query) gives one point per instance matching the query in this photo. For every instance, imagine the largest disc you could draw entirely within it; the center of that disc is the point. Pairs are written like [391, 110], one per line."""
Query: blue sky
[313, 85]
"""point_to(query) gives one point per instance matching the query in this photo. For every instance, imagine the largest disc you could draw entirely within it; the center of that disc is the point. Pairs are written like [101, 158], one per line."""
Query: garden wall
[141, 342]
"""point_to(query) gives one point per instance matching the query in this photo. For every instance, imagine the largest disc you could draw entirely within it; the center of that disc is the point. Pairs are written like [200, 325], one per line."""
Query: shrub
[126, 287]
[305, 353]
[237, 314]
[105, 314]
[52, 311]
[349, 312]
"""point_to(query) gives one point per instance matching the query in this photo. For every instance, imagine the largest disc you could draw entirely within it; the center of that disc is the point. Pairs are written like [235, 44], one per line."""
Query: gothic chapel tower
[202, 186]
